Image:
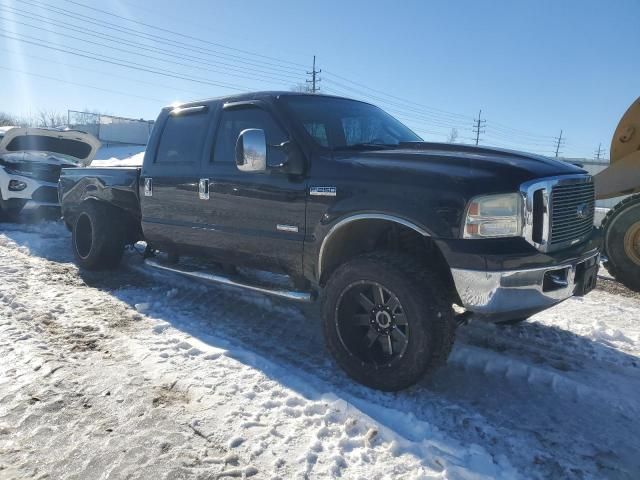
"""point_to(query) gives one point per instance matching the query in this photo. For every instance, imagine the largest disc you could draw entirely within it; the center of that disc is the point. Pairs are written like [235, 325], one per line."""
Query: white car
[30, 164]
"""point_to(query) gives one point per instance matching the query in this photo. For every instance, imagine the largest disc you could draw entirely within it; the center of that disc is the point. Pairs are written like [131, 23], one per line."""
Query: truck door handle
[203, 189]
[148, 187]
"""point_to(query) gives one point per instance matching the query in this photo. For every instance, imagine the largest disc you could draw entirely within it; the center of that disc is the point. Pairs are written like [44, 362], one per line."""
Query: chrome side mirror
[251, 151]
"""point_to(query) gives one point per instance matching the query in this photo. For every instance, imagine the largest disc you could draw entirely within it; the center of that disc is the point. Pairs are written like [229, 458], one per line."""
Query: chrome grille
[558, 211]
[572, 210]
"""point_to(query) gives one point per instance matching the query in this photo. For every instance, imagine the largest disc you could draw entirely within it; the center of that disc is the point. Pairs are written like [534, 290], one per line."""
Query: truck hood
[463, 161]
[49, 146]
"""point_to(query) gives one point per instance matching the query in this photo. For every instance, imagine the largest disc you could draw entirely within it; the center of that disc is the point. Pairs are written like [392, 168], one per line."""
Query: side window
[182, 138]
[319, 132]
[235, 121]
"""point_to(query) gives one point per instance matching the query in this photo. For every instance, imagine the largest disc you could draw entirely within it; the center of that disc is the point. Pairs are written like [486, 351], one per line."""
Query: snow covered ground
[140, 374]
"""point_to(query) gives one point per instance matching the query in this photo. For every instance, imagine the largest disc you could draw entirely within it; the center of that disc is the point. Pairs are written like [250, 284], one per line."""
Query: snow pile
[119, 156]
[138, 373]
[5, 129]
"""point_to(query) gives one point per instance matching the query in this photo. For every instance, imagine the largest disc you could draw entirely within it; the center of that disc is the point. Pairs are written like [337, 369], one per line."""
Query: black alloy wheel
[372, 324]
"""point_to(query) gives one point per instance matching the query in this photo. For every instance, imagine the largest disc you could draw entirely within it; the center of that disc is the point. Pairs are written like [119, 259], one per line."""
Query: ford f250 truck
[400, 240]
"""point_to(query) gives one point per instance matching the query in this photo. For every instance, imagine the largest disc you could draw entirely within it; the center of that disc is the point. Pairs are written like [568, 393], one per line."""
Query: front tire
[622, 242]
[386, 321]
[97, 237]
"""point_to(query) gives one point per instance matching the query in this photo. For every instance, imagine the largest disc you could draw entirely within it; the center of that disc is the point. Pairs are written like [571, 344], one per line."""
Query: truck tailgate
[117, 186]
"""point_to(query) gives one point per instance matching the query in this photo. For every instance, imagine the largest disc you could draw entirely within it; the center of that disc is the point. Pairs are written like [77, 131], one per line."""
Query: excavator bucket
[622, 177]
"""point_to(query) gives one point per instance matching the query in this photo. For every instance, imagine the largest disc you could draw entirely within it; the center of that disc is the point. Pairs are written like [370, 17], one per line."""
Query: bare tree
[7, 120]
[300, 87]
[453, 135]
[51, 119]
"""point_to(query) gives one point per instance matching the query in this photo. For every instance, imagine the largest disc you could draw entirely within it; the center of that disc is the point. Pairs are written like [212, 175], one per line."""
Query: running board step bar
[222, 279]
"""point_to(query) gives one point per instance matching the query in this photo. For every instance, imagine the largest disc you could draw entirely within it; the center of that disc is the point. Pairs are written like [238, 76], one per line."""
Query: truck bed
[117, 186]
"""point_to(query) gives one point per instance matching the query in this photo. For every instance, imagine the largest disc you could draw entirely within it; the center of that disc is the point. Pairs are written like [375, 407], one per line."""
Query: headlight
[493, 216]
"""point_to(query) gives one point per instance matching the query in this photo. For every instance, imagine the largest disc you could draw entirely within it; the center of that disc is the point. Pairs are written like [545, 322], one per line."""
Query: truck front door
[254, 219]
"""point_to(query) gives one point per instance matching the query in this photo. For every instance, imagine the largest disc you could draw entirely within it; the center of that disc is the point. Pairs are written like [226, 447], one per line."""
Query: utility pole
[599, 153]
[559, 143]
[478, 126]
[315, 79]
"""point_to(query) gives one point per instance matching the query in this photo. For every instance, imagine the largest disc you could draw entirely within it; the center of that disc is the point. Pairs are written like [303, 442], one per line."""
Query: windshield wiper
[366, 146]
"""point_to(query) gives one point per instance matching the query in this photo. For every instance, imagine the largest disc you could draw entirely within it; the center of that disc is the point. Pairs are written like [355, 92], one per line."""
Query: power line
[508, 138]
[118, 40]
[157, 38]
[415, 107]
[147, 56]
[518, 147]
[173, 32]
[126, 51]
[271, 69]
[426, 116]
[314, 77]
[415, 123]
[112, 58]
[478, 126]
[77, 84]
[133, 66]
[410, 102]
[410, 120]
[559, 142]
[518, 132]
[444, 114]
[83, 68]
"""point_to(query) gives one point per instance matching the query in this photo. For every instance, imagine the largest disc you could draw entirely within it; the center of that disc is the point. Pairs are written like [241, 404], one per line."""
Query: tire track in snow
[106, 364]
[480, 403]
[464, 420]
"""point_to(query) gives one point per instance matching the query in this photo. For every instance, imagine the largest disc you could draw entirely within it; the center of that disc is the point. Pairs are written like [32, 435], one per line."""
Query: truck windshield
[339, 123]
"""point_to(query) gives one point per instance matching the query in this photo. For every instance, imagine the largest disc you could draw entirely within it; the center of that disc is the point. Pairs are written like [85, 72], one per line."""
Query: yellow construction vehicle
[621, 225]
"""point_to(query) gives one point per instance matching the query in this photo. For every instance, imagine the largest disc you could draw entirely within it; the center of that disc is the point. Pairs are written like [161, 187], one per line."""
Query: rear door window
[183, 138]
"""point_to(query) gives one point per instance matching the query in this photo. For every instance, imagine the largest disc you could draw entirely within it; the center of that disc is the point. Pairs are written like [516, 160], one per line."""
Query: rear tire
[97, 237]
[386, 320]
[621, 228]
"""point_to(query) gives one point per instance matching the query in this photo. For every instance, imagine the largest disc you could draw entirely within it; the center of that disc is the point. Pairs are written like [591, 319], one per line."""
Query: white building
[121, 137]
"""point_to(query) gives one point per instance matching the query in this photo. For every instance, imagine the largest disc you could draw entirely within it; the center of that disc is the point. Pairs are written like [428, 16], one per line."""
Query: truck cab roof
[260, 95]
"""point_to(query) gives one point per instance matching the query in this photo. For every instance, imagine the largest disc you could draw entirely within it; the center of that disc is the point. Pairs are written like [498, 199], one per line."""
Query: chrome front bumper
[513, 293]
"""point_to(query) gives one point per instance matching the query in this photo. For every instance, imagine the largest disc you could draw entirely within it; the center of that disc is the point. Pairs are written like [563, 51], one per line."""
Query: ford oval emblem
[582, 211]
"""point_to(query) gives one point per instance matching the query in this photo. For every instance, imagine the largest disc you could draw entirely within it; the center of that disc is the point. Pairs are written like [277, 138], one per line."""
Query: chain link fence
[110, 129]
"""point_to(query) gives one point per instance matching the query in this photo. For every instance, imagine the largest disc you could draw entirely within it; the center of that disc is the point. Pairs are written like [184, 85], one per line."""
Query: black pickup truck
[401, 240]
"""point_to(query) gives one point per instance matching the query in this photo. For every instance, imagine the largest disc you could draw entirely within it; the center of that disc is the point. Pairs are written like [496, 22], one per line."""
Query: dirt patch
[84, 345]
[168, 395]
[616, 288]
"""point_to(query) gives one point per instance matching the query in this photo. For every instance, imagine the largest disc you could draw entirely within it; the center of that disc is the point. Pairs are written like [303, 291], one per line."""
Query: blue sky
[533, 68]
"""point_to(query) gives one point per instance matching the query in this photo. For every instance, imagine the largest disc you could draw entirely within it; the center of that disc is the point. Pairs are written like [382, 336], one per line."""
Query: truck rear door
[170, 177]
